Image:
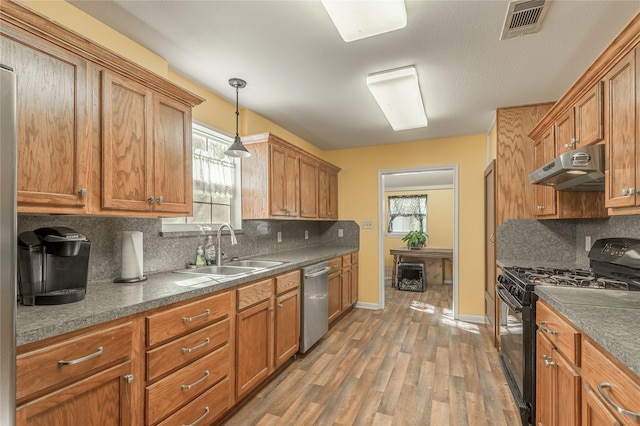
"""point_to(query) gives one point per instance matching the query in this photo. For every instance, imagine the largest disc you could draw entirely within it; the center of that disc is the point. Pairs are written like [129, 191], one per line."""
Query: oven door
[516, 346]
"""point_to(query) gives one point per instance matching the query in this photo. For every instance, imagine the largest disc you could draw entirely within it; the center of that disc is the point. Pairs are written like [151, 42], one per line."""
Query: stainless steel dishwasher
[314, 315]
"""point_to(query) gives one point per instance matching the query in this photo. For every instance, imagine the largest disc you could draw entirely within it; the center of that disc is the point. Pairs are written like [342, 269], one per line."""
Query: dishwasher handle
[322, 271]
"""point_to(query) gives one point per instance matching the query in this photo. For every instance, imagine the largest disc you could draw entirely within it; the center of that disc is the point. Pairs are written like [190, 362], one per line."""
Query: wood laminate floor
[410, 364]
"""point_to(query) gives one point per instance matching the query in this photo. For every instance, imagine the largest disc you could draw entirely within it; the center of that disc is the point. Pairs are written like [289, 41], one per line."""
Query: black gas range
[614, 264]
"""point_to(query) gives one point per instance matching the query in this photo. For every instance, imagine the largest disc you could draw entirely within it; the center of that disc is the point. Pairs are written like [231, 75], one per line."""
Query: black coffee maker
[53, 265]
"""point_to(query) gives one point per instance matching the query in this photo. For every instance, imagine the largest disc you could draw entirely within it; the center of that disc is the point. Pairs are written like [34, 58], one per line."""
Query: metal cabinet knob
[82, 192]
[160, 199]
[548, 361]
[151, 199]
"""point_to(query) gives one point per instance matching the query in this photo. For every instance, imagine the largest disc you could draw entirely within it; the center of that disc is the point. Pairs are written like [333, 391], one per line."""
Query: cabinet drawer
[205, 408]
[354, 258]
[287, 281]
[254, 293]
[622, 390]
[185, 349]
[346, 260]
[184, 385]
[560, 332]
[68, 361]
[174, 322]
[335, 265]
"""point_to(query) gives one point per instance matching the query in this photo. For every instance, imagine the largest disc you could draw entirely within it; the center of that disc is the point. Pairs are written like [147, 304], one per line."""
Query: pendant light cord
[237, 113]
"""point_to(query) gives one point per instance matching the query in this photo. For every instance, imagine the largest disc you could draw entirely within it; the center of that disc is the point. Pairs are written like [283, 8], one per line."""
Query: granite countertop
[609, 317]
[106, 301]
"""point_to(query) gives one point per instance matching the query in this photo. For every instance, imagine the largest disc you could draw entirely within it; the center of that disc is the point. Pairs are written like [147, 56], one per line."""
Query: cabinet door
[589, 117]
[308, 188]
[354, 283]
[53, 125]
[284, 180]
[594, 413]
[335, 298]
[173, 188]
[102, 399]
[323, 193]
[545, 196]
[567, 384]
[545, 389]
[564, 128]
[345, 289]
[254, 346]
[620, 133]
[127, 153]
[333, 195]
[287, 326]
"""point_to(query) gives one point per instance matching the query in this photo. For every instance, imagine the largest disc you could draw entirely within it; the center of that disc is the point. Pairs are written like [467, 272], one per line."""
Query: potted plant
[415, 239]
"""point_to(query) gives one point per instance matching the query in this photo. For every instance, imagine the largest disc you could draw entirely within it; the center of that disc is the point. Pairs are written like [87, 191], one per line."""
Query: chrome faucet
[219, 248]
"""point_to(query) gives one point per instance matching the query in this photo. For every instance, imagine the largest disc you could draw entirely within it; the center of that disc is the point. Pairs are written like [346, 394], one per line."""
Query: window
[406, 213]
[216, 184]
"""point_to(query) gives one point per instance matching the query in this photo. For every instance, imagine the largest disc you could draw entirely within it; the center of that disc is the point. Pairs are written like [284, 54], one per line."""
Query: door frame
[381, 228]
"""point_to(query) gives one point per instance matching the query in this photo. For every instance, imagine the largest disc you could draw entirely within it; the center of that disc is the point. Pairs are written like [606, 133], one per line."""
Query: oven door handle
[507, 298]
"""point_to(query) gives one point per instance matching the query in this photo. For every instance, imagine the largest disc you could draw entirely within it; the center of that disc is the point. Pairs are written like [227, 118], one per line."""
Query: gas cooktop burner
[566, 278]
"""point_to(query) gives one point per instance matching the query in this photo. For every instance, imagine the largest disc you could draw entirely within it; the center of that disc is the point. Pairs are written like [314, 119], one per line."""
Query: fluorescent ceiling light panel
[361, 19]
[398, 94]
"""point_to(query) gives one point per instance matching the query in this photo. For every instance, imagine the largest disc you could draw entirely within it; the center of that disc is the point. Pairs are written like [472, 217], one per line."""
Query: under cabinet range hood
[579, 170]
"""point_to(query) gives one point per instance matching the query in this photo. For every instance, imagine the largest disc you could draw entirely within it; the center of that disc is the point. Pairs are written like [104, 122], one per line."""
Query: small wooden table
[400, 254]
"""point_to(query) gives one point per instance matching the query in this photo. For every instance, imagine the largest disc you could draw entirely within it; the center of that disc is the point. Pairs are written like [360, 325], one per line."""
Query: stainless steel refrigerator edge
[8, 138]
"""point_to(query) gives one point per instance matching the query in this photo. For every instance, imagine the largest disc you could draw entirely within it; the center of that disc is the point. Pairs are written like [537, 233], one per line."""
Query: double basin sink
[232, 270]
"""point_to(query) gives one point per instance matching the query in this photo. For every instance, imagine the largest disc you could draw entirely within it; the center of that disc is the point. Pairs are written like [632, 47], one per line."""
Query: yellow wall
[358, 200]
[439, 221]
[358, 179]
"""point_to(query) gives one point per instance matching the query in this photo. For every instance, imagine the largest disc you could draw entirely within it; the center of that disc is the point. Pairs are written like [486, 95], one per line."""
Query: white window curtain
[413, 207]
[213, 175]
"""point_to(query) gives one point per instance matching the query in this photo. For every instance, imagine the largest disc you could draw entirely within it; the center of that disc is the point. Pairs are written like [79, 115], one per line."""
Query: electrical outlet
[306, 235]
[279, 235]
[587, 243]
[367, 224]
[340, 233]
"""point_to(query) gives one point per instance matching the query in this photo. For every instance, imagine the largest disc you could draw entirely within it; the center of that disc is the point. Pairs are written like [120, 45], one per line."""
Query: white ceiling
[302, 76]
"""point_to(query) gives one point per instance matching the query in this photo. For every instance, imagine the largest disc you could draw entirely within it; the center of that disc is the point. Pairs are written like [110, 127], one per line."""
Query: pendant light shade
[237, 149]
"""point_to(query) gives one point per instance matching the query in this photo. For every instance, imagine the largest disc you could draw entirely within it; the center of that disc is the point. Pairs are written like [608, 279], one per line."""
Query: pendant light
[237, 149]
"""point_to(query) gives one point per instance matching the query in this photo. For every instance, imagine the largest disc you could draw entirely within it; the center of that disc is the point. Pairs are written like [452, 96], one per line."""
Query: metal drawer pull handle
[605, 385]
[206, 413]
[543, 327]
[548, 361]
[204, 314]
[280, 305]
[83, 359]
[187, 387]
[201, 345]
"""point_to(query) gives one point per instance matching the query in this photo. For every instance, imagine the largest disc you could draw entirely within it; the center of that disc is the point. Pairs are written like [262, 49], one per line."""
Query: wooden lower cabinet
[343, 285]
[558, 381]
[101, 399]
[267, 328]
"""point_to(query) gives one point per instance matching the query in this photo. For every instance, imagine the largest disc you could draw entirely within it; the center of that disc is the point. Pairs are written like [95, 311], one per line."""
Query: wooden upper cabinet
[146, 149]
[281, 181]
[620, 133]
[564, 131]
[589, 117]
[544, 199]
[127, 153]
[328, 194]
[284, 179]
[53, 124]
[308, 188]
[172, 156]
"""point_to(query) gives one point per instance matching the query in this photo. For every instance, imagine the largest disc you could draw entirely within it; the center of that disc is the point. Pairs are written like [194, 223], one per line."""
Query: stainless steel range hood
[579, 170]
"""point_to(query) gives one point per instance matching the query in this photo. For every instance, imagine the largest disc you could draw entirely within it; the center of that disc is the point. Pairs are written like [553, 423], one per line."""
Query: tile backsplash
[559, 241]
[169, 251]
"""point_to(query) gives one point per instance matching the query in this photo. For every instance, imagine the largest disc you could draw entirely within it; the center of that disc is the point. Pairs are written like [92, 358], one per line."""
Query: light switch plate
[306, 235]
[279, 235]
[587, 243]
[367, 224]
[340, 233]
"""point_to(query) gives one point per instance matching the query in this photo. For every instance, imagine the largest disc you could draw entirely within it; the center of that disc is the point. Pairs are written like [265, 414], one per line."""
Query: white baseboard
[367, 305]
[472, 318]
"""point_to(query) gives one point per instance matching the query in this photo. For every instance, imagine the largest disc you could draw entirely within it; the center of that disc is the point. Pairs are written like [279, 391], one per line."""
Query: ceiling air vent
[524, 17]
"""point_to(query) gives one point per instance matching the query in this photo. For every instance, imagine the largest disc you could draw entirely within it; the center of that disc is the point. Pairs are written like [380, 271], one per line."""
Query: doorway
[411, 179]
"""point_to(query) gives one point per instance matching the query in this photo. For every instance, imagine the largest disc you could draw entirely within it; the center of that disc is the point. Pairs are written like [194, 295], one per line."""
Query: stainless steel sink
[224, 270]
[262, 264]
